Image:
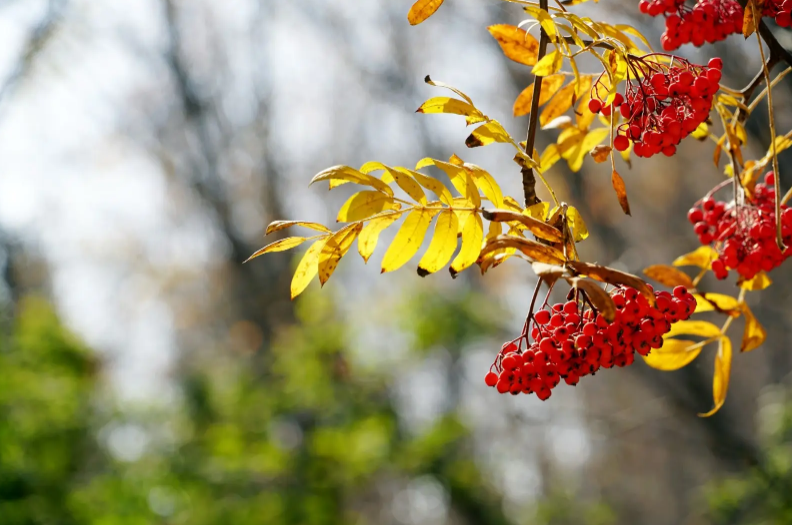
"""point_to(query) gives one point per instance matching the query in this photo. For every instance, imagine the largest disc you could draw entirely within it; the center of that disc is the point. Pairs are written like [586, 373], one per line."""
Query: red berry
[491, 379]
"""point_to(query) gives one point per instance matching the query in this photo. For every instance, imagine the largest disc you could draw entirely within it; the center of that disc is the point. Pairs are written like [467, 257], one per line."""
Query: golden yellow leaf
[344, 174]
[575, 155]
[621, 191]
[583, 115]
[701, 328]
[536, 251]
[550, 156]
[364, 204]
[720, 382]
[701, 132]
[431, 184]
[598, 297]
[307, 268]
[408, 240]
[673, 355]
[701, 257]
[443, 245]
[460, 178]
[487, 134]
[754, 334]
[562, 122]
[759, 282]
[279, 246]
[668, 275]
[516, 44]
[472, 236]
[544, 18]
[537, 227]
[550, 85]
[563, 100]
[716, 301]
[600, 154]
[452, 106]
[406, 183]
[538, 211]
[486, 183]
[576, 224]
[632, 31]
[276, 226]
[335, 248]
[421, 10]
[369, 235]
[549, 64]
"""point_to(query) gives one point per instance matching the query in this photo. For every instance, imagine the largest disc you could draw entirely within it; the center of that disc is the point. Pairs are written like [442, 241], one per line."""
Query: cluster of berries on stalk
[744, 235]
[572, 340]
[662, 104]
[781, 10]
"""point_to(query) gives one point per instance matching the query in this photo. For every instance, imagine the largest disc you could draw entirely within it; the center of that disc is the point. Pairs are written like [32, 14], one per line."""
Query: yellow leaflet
[511, 204]
[583, 116]
[701, 257]
[549, 157]
[364, 204]
[711, 301]
[437, 83]
[720, 383]
[460, 178]
[572, 33]
[430, 183]
[487, 134]
[494, 229]
[372, 166]
[406, 183]
[307, 268]
[550, 85]
[344, 174]
[618, 67]
[754, 334]
[443, 245]
[487, 184]
[576, 224]
[408, 239]
[544, 19]
[575, 156]
[538, 211]
[472, 237]
[760, 282]
[452, 106]
[701, 328]
[673, 355]
[613, 32]
[632, 31]
[701, 132]
[549, 64]
[516, 44]
[335, 248]
[421, 10]
[369, 235]
[276, 226]
[563, 100]
[279, 246]
[668, 275]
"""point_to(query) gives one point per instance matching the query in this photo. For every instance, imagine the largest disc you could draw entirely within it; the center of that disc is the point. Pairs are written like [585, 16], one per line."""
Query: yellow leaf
[472, 236]
[344, 174]
[279, 246]
[563, 100]
[408, 240]
[443, 245]
[452, 106]
[516, 44]
[538, 211]
[621, 191]
[421, 10]
[701, 257]
[701, 132]
[716, 301]
[673, 355]
[576, 224]
[754, 334]
[486, 183]
[369, 235]
[335, 248]
[550, 156]
[460, 178]
[486, 134]
[631, 30]
[759, 282]
[437, 83]
[550, 85]
[549, 64]
[536, 251]
[307, 268]
[668, 275]
[537, 227]
[276, 226]
[720, 382]
[575, 155]
[406, 183]
[702, 328]
[431, 184]
[544, 19]
[363, 205]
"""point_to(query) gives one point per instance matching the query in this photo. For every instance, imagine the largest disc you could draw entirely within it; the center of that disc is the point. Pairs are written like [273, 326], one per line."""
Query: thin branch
[528, 178]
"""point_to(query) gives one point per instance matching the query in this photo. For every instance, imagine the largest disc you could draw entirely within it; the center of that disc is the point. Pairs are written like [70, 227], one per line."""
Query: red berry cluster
[708, 21]
[663, 105]
[571, 341]
[781, 10]
[744, 235]
[659, 7]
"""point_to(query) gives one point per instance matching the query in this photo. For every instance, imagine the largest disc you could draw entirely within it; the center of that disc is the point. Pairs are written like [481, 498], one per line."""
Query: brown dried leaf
[621, 191]
[612, 276]
[600, 153]
[598, 297]
[668, 275]
[537, 227]
[536, 251]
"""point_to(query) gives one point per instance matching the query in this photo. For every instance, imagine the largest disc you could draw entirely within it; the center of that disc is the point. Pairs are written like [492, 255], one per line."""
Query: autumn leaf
[431, 184]
[369, 235]
[601, 300]
[443, 245]
[279, 246]
[668, 275]
[421, 10]
[715, 301]
[364, 204]
[550, 85]
[612, 276]
[335, 248]
[344, 174]
[537, 227]
[549, 64]
[600, 154]
[460, 178]
[408, 240]
[577, 224]
[277, 226]
[472, 236]
[759, 282]
[701, 328]
[720, 382]
[487, 134]
[406, 182]
[701, 257]
[563, 100]
[452, 106]
[307, 268]
[534, 250]
[516, 43]
[673, 355]
[754, 334]
[621, 191]
[749, 24]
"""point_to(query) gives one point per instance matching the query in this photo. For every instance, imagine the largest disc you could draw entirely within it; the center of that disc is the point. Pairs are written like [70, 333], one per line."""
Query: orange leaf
[421, 10]
[516, 43]
[550, 85]
[668, 275]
